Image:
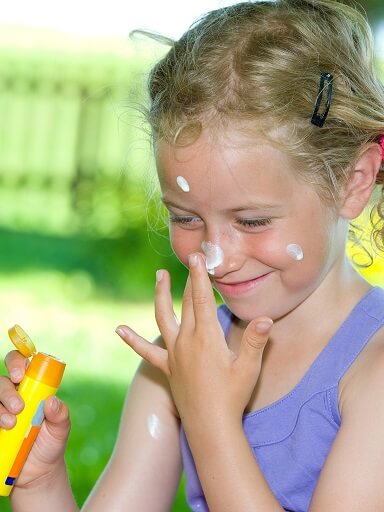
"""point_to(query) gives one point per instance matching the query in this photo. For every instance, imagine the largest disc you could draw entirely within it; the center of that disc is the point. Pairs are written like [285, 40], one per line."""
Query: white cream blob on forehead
[295, 252]
[214, 256]
[182, 183]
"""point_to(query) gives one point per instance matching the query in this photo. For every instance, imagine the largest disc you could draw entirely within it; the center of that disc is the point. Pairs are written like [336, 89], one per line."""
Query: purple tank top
[291, 438]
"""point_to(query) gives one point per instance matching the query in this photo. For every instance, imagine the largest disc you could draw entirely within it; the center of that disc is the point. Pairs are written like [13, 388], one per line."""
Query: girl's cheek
[184, 243]
[272, 249]
[267, 248]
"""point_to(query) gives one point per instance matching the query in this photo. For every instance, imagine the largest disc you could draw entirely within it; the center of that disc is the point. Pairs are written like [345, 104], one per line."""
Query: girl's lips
[236, 289]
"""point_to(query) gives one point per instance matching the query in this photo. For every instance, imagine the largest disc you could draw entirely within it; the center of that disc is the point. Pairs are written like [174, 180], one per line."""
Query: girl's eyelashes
[254, 223]
[184, 219]
[192, 220]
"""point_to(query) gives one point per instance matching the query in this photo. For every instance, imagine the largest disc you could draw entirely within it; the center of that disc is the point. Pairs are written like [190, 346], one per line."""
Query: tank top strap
[225, 317]
[344, 347]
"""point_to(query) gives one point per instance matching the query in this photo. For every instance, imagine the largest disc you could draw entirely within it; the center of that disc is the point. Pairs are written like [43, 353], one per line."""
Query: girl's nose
[221, 258]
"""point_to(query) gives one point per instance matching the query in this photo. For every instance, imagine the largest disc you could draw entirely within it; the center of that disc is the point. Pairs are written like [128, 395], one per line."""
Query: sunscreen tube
[42, 379]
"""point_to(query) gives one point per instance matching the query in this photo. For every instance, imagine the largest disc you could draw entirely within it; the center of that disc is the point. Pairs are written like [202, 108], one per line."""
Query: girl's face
[245, 199]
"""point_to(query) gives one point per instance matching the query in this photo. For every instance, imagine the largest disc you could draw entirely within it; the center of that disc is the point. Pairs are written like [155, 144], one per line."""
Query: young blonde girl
[267, 122]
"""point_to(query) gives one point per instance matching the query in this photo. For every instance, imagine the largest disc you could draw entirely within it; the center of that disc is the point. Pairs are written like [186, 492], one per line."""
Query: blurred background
[81, 233]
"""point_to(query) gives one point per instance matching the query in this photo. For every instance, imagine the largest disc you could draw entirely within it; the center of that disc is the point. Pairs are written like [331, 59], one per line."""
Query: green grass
[64, 316]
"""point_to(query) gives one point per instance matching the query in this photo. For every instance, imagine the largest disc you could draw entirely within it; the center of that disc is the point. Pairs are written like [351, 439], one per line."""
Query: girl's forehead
[222, 171]
[233, 157]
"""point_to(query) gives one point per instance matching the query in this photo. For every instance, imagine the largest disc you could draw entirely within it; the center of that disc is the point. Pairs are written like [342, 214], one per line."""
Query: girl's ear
[357, 190]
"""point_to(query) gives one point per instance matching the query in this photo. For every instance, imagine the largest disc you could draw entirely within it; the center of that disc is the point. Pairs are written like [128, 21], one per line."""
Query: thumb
[254, 339]
[57, 418]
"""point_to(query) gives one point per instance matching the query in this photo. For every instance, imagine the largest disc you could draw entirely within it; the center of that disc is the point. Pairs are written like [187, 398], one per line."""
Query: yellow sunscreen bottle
[42, 379]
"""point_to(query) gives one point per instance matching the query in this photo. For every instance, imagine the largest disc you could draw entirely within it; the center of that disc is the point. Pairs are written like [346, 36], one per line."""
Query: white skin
[253, 209]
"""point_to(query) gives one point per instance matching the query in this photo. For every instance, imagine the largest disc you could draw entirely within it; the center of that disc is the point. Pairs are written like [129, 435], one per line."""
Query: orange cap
[46, 369]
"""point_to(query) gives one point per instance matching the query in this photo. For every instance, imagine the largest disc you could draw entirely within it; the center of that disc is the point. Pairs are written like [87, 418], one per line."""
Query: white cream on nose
[214, 256]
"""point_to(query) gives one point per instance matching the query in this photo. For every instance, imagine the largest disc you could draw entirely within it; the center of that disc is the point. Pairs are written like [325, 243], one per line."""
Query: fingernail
[122, 331]
[6, 420]
[16, 374]
[264, 326]
[192, 260]
[159, 275]
[15, 404]
[55, 404]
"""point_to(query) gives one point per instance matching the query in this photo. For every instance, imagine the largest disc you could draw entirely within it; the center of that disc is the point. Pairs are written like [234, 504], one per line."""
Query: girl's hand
[206, 378]
[48, 450]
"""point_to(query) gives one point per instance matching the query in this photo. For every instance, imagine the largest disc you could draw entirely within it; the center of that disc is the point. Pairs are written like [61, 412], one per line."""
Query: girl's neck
[319, 316]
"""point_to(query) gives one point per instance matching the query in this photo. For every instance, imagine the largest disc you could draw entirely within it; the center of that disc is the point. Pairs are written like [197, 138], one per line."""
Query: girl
[267, 121]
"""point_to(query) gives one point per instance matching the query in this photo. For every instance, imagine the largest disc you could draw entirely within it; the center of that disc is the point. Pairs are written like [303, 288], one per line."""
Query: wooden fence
[68, 161]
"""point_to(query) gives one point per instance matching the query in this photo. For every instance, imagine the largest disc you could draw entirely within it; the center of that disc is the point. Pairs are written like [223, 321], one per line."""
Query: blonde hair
[259, 63]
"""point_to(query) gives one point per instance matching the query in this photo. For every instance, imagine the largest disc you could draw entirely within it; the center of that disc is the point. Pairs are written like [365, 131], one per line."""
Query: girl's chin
[245, 313]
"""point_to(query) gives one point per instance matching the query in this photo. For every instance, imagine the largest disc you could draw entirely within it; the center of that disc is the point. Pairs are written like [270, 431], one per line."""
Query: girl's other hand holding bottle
[47, 455]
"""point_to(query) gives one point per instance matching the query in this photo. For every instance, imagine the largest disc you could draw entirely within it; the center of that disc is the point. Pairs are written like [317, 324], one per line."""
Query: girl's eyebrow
[244, 207]
[170, 203]
[256, 206]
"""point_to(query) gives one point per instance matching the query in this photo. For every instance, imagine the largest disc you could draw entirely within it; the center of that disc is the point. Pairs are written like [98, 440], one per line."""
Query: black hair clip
[326, 80]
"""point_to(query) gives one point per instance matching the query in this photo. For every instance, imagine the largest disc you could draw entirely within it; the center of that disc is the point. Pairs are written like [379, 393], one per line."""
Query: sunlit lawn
[64, 316]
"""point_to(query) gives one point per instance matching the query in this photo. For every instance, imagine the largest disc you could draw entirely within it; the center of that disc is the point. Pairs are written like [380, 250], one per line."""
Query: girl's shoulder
[360, 350]
[364, 380]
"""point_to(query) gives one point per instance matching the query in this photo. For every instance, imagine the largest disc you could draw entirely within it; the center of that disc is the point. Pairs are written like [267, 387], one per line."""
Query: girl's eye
[254, 223]
[186, 220]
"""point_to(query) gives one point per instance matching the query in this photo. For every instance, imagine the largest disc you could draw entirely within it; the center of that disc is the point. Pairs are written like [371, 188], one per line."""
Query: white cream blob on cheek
[295, 252]
[182, 183]
[154, 426]
[214, 256]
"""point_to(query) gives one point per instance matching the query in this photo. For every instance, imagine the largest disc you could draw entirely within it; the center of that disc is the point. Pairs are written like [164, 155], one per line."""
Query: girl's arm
[227, 468]
[145, 468]
[352, 477]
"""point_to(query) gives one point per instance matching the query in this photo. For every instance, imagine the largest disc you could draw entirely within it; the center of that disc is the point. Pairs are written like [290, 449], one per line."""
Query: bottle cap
[22, 341]
[46, 369]
[43, 367]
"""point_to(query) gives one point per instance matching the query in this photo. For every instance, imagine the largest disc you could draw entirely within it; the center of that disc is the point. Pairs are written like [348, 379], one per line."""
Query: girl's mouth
[239, 288]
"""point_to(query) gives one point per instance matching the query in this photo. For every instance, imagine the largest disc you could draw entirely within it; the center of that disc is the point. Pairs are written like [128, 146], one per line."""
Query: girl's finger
[58, 421]
[7, 420]
[203, 299]
[164, 313]
[16, 365]
[253, 342]
[187, 315]
[11, 402]
[153, 354]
